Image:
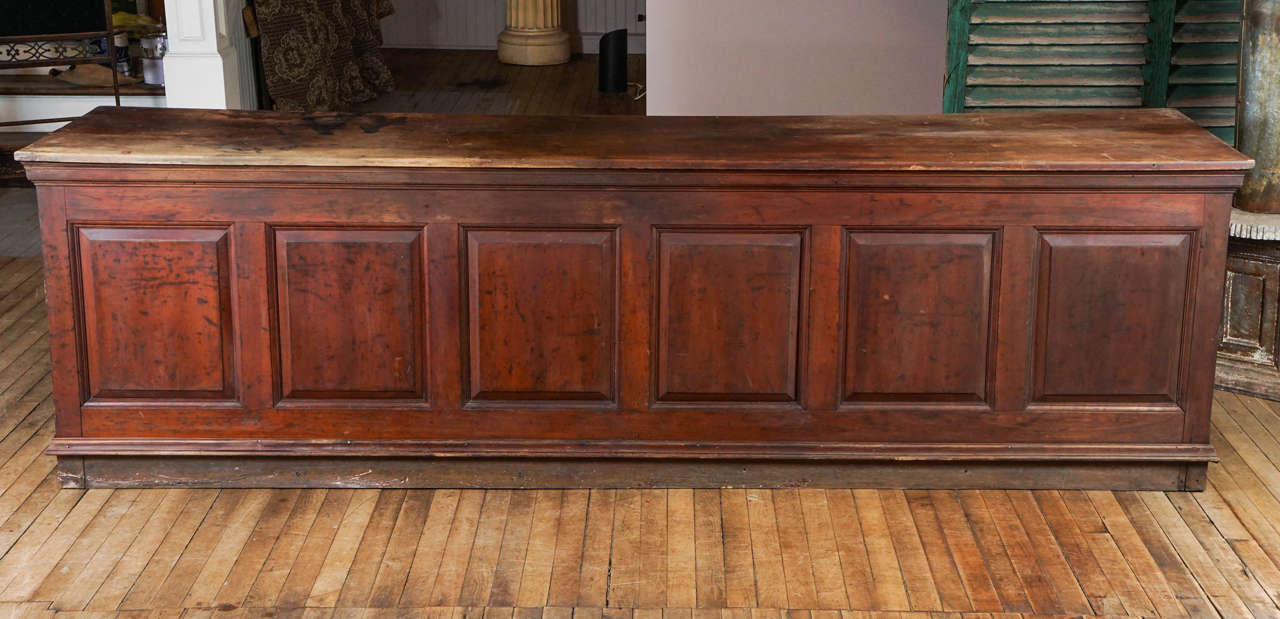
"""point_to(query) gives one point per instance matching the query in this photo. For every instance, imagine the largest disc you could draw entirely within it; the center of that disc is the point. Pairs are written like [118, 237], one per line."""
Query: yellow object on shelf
[124, 19]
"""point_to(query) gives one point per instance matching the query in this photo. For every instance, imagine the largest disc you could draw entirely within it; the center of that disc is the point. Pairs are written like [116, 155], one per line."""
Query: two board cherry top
[1014, 300]
[1138, 140]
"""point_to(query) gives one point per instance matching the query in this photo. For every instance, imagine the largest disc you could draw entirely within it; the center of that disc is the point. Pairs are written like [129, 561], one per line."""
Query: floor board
[606, 554]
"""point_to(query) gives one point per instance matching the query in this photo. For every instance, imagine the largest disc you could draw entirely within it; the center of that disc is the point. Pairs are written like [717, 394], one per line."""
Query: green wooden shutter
[1031, 54]
[1203, 71]
[1027, 54]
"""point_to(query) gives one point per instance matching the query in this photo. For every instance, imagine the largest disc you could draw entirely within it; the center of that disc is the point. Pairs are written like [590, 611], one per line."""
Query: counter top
[1129, 140]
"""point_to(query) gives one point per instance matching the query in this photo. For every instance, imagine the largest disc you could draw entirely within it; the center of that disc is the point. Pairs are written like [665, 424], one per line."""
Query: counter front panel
[970, 328]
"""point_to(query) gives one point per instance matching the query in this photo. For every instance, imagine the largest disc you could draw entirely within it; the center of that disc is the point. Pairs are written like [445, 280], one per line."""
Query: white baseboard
[23, 107]
[589, 43]
[585, 43]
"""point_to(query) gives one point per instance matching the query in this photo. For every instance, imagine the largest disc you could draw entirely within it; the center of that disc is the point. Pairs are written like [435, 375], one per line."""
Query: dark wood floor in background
[605, 554]
[474, 82]
[465, 82]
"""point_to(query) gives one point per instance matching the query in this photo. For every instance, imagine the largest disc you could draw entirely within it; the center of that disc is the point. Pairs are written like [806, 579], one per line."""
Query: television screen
[31, 18]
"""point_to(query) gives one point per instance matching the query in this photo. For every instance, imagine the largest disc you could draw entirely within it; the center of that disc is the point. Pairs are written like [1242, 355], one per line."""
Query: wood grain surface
[988, 294]
[1132, 140]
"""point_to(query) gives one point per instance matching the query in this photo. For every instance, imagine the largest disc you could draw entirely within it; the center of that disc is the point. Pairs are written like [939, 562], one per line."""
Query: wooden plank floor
[639, 554]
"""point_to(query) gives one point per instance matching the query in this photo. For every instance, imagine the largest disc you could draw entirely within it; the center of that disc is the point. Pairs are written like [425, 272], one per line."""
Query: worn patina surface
[1027, 300]
[1260, 105]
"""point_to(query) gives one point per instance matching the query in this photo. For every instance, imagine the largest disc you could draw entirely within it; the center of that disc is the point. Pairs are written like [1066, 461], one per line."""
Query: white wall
[29, 107]
[475, 24]
[778, 57]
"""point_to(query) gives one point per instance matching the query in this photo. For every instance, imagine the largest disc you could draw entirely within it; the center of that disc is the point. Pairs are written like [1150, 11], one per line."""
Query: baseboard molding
[580, 43]
[589, 42]
[1255, 379]
[291, 472]
[24, 107]
[522, 449]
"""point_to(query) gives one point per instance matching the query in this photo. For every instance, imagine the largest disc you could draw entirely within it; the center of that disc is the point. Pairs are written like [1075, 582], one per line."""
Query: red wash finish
[260, 299]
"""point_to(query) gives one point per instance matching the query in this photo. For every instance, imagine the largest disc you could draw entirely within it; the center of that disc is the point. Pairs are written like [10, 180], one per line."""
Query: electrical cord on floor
[640, 90]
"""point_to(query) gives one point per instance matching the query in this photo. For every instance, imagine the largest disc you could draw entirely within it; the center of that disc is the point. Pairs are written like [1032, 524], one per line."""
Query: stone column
[534, 34]
[1258, 114]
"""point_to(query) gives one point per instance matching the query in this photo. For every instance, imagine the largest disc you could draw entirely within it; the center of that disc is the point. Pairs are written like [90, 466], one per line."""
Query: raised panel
[1110, 316]
[156, 306]
[541, 316]
[728, 324]
[1244, 327]
[1249, 308]
[918, 316]
[351, 315]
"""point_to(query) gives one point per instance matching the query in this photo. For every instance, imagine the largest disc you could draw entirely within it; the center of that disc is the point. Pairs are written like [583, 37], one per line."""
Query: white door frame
[209, 64]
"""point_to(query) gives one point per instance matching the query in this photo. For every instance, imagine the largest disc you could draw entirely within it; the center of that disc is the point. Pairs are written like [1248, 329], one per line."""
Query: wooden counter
[248, 298]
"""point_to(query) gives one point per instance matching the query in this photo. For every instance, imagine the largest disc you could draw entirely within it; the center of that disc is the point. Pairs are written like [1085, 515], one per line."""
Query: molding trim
[54, 173]
[667, 450]
[324, 472]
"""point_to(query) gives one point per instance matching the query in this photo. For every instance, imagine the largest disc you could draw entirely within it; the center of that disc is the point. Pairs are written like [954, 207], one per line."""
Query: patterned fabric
[323, 55]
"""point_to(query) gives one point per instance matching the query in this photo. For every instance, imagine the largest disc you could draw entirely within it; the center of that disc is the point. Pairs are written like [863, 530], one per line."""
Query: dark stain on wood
[328, 124]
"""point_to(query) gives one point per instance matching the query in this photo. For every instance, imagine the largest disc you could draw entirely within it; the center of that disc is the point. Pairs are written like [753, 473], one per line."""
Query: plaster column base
[533, 47]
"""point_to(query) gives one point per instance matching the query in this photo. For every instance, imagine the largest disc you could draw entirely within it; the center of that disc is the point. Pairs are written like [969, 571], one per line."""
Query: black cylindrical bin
[613, 61]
